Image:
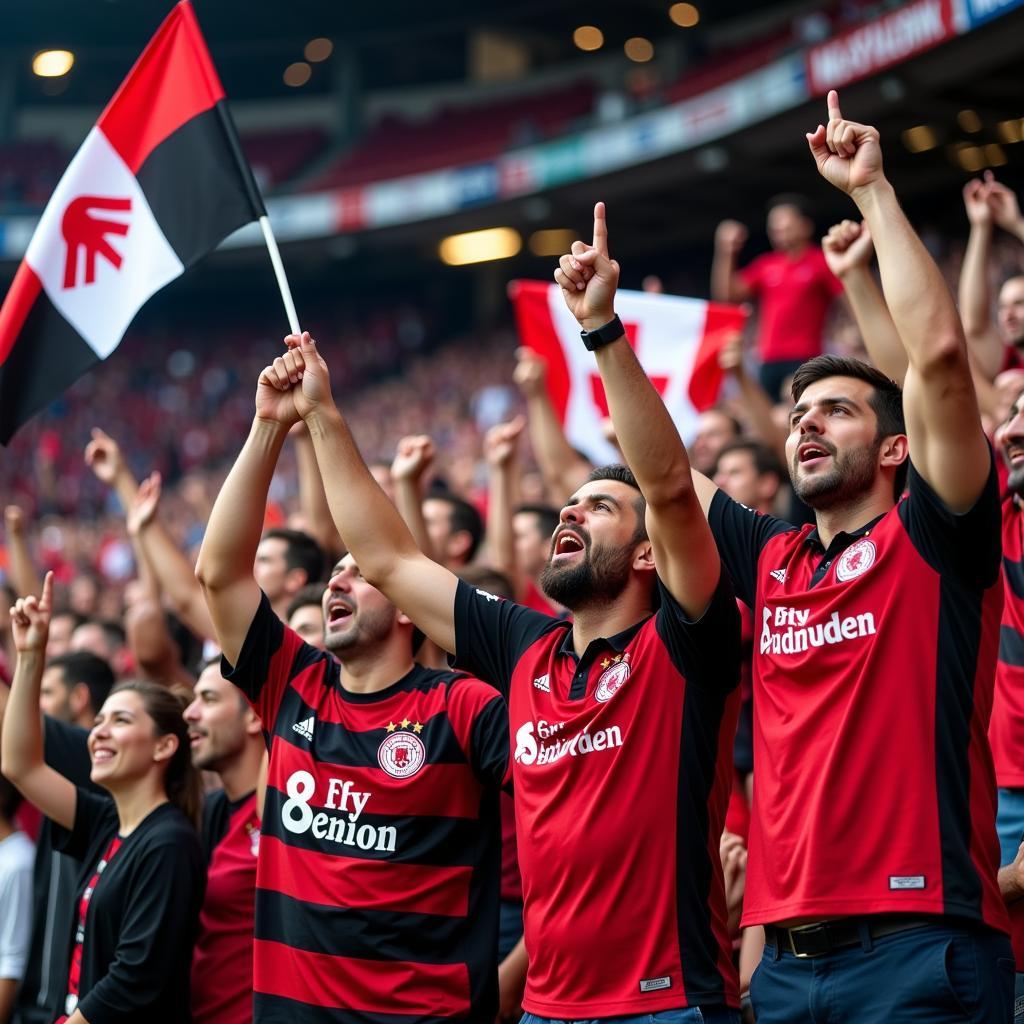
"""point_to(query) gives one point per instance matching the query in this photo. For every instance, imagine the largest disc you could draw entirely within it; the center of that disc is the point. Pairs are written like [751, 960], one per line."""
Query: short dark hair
[765, 460]
[85, 667]
[886, 397]
[301, 551]
[463, 517]
[10, 799]
[799, 203]
[547, 517]
[486, 578]
[624, 475]
[311, 593]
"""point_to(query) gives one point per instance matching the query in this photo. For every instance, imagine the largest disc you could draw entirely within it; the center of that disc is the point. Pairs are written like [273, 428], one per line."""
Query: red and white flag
[158, 182]
[677, 341]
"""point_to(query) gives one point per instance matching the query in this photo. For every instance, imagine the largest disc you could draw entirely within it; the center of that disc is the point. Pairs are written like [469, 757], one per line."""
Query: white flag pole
[282, 279]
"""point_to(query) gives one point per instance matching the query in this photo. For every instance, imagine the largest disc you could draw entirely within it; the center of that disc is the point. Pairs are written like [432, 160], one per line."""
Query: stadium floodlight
[919, 138]
[318, 49]
[639, 49]
[588, 37]
[52, 63]
[297, 74]
[969, 121]
[684, 15]
[994, 155]
[1011, 131]
[552, 241]
[480, 246]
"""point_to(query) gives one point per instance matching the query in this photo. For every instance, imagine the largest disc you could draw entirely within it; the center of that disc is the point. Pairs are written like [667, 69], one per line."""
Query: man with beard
[873, 854]
[622, 719]
[226, 738]
[377, 881]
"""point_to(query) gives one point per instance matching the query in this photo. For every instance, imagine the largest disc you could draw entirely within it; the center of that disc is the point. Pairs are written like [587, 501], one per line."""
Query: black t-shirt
[54, 878]
[143, 916]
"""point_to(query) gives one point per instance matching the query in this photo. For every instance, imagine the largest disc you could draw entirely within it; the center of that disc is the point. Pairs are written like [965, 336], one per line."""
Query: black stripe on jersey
[431, 841]
[194, 219]
[338, 745]
[1011, 647]
[1014, 576]
[959, 642]
[306, 657]
[343, 931]
[278, 1010]
[703, 712]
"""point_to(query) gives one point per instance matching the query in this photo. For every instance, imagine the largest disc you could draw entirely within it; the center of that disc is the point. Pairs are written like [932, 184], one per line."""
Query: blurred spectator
[16, 858]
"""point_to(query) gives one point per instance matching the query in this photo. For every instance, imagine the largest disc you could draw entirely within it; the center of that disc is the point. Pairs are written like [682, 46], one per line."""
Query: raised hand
[144, 504]
[588, 278]
[14, 520]
[501, 440]
[730, 237]
[979, 212]
[295, 384]
[30, 619]
[103, 456]
[847, 246]
[530, 372]
[730, 355]
[1004, 204]
[414, 455]
[848, 154]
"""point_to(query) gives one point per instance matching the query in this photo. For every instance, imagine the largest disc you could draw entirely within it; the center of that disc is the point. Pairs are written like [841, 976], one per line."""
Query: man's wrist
[866, 196]
[322, 418]
[592, 323]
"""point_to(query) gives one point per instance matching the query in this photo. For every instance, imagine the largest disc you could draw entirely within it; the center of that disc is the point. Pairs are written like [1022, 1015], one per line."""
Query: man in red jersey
[622, 719]
[873, 855]
[378, 874]
[792, 285]
[226, 738]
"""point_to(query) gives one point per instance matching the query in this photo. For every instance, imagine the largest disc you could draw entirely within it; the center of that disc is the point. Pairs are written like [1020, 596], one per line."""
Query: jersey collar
[617, 643]
[842, 539]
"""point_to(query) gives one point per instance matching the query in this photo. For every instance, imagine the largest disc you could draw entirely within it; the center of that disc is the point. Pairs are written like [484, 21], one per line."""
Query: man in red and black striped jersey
[379, 865]
[873, 853]
[623, 719]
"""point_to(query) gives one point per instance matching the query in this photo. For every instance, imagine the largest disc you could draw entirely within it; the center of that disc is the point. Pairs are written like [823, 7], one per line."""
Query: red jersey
[873, 673]
[1007, 727]
[222, 958]
[793, 296]
[377, 880]
[622, 769]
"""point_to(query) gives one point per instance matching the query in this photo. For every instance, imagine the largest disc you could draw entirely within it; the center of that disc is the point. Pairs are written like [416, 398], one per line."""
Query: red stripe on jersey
[1006, 727]
[18, 302]
[373, 986]
[172, 81]
[442, 790]
[367, 884]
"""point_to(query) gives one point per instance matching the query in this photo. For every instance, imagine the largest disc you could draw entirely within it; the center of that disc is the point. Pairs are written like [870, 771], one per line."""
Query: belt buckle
[806, 929]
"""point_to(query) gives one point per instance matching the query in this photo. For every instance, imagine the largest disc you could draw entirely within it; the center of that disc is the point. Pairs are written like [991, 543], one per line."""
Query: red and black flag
[159, 181]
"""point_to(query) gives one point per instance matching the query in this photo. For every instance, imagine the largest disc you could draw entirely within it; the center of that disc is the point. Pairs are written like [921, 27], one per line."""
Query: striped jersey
[377, 881]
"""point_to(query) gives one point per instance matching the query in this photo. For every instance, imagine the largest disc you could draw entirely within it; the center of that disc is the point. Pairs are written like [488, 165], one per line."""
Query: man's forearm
[501, 547]
[561, 467]
[175, 576]
[22, 570]
[313, 500]
[236, 522]
[21, 747]
[370, 526]
[723, 277]
[1011, 886]
[875, 322]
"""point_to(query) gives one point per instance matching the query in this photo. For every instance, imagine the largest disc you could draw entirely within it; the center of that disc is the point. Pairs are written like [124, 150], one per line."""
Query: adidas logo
[305, 729]
[543, 683]
[778, 574]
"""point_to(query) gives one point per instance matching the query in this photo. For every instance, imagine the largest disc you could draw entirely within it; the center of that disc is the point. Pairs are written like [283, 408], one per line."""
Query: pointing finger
[46, 601]
[833, 105]
[600, 229]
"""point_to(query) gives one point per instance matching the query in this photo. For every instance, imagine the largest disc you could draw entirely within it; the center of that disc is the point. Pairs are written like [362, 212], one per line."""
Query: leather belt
[809, 940]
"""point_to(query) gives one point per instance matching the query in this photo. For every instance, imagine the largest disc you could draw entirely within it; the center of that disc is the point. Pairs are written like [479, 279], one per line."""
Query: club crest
[616, 672]
[855, 560]
[401, 754]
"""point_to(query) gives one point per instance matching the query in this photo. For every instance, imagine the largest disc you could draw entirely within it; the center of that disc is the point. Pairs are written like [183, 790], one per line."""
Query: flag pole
[253, 191]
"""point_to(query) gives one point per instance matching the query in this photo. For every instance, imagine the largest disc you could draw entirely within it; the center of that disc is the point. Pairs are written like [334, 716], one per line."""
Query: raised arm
[500, 448]
[370, 526]
[975, 297]
[225, 565]
[726, 283]
[754, 399]
[414, 459]
[562, 468]
[848, 250]
[684, 550]
[21, 746]
[947, 444]
[23, 574]
[312, 499]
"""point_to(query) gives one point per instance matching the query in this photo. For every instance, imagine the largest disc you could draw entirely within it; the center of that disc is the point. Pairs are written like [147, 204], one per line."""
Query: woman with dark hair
[142, 878]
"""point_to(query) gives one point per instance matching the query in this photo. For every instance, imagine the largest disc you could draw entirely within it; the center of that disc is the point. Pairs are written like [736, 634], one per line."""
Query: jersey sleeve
[271, 656]
[93, 814]
[491, 634]
[66, 750]
[16, 919]
[967, 547]
[160, 918]
[740, 534]
[705, 651]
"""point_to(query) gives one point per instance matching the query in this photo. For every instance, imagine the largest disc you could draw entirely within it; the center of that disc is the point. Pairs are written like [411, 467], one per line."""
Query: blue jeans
[937, 973]
[683, 1015]
[1010, 823]
[510, 927]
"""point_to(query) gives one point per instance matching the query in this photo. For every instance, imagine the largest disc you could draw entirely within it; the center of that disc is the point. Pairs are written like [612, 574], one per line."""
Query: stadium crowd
[408, 712]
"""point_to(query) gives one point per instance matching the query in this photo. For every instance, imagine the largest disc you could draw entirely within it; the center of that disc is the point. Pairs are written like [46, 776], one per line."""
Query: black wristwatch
[605, 334]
